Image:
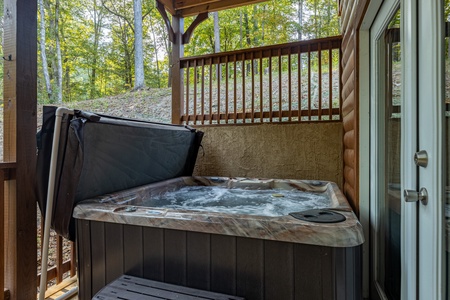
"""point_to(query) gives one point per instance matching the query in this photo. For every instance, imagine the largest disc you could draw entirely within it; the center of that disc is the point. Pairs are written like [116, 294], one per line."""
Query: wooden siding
[245, 267]
[352, 13]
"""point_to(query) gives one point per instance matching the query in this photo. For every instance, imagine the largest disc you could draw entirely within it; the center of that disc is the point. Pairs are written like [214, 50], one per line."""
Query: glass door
[410, 120]
[386, 136]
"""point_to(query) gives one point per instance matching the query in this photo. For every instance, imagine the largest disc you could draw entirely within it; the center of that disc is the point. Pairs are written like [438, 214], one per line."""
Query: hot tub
[242, 240]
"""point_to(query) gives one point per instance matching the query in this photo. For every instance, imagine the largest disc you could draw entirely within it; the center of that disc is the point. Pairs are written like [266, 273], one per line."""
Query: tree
[58, 55]
[42, 43]
[139, 78]
[300, 20]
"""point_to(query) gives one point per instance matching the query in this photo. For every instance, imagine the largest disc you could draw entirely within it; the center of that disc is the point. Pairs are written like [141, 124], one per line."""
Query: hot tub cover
[100, 154]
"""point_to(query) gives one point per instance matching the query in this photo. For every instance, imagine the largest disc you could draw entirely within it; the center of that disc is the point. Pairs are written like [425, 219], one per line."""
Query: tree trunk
[169, 82]
[247, 31]
[58, 54]
[248, 39]
[241, 36]
[48, 85]
[155, 45]
[98, 18]
[68, 93]
[139, 80]
[255, 26]
[300, 20]
[217, 40]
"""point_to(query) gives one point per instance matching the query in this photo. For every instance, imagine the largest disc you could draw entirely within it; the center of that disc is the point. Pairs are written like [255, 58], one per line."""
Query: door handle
[414, 196]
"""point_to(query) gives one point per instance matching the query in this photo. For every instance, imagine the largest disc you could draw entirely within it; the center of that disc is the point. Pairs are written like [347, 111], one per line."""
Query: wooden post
[20, 107]
[177, 72]
[2, 235]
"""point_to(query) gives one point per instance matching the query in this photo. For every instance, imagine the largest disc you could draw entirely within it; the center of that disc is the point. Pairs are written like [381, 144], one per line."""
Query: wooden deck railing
[292, 82]
[5, 174]
[61, 265]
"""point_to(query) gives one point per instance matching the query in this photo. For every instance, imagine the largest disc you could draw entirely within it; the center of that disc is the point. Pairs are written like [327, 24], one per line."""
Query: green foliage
[97, 40]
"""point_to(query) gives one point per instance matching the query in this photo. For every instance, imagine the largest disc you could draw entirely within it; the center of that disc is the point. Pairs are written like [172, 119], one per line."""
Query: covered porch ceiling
[186, 8]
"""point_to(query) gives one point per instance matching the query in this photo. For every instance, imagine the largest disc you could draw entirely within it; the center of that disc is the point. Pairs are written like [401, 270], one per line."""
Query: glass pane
[389, 272]
[446, 142]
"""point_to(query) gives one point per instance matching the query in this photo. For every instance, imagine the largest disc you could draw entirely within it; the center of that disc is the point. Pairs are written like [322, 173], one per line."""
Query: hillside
[148, 104]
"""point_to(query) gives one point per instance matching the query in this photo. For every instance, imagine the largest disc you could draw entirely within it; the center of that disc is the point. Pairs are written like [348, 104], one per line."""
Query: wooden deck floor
[56, 291]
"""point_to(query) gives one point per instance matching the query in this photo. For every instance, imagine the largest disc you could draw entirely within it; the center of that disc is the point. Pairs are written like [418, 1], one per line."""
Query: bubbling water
[264, 202]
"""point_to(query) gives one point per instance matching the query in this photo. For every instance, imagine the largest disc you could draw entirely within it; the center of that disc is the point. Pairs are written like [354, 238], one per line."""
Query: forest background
[95, 48]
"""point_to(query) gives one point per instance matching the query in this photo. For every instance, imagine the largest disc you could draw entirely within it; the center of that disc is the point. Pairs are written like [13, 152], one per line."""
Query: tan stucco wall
[295, 151]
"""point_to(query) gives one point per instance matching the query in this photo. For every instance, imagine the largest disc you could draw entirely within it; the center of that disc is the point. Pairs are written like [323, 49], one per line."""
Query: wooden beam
[188, 10]
[185, 8]
[177, 72]
[162, 11]
[168, 4]
[20, 108]
[198, 20]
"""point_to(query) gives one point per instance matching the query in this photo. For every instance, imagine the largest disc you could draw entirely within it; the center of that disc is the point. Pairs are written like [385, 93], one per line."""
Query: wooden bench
[135, 288]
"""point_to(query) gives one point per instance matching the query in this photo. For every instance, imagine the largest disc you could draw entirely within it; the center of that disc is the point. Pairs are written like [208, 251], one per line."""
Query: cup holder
[319, 216]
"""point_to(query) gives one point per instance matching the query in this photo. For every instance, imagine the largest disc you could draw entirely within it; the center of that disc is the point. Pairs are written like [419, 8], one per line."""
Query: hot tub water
[262, 202]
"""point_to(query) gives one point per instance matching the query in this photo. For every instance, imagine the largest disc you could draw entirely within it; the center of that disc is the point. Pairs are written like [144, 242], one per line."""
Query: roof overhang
[186, 8]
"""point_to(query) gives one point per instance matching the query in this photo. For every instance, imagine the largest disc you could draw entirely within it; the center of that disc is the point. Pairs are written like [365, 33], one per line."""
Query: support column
[177, 72]
[20, 107]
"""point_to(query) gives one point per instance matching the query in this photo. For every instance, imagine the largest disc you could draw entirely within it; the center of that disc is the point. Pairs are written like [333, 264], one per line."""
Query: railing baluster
[289, 86]
[330, 82]
[319, 62]
[210, 91]
[253, 87]
[59, 258]
[280, 85]
[218, 72]
[235, 90]
[187, 95]
[299, 78]
[73, 259]
[261, 98]
[226, 89]
[203, 91]
[195, 92]
[309, 82]
[270, 90]
[243, 87]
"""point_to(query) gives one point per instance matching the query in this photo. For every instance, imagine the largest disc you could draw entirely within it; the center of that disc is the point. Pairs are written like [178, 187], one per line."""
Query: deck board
[59, 289]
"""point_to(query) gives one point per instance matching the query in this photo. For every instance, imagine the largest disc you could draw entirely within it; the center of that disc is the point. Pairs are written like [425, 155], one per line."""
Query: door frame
[370, 139]
[431, 95]
[433, 277]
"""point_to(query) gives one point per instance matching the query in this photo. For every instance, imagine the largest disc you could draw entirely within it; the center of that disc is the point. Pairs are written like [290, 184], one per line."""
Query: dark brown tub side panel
[223, 264]
[327, 272]
[313, 272]
[98, 255]
[153, 245]
[114, 255]
[198, 260]
[348, 281]
[279, 270]
[175, 256]
[132, 247]
[250, 268]
[84, 259]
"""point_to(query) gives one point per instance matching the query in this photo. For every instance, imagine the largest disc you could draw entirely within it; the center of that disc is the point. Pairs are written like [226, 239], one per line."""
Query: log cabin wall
[352, 13]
